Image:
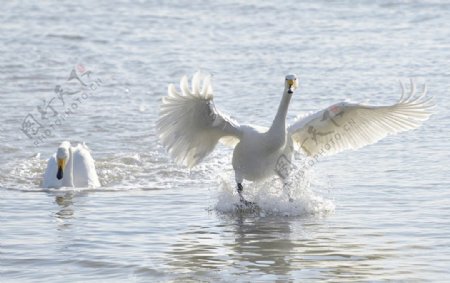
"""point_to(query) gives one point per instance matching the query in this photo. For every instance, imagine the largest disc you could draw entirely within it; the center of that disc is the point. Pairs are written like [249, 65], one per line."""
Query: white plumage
[345, 126]
[190, 126]
[71, 166]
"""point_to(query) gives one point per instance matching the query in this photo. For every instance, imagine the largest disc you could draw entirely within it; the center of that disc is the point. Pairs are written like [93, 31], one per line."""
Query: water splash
[25, 173]
[272, 198]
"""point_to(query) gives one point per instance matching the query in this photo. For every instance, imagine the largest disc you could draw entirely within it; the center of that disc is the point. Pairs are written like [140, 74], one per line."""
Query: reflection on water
[281, 248]
[263, 245]
[65, 203]
[245, 247]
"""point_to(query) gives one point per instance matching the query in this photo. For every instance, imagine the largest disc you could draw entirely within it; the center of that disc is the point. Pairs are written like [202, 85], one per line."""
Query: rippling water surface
[377, 214]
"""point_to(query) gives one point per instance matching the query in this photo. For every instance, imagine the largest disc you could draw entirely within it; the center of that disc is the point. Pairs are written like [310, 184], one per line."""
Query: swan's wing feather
[50, 180]
[84, 173]
[190, 125]
[345, 126]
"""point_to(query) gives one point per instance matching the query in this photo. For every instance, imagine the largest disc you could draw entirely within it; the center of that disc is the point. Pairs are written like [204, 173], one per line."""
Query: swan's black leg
[240, 189]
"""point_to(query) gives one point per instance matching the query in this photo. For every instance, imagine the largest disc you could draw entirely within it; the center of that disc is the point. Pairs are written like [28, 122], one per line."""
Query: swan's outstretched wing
[345, 126]
[84, 173]
[190, 125]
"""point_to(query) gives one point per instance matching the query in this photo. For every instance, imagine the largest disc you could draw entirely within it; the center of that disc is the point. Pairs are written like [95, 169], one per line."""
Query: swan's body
[190, 126]
[71, 166]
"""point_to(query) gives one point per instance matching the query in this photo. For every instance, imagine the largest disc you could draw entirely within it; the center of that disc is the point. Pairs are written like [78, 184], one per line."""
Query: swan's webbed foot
[245, 206]
[245, 202]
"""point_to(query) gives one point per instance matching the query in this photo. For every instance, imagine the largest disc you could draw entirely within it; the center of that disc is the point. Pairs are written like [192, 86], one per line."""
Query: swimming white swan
[71, 166]
[190, 126]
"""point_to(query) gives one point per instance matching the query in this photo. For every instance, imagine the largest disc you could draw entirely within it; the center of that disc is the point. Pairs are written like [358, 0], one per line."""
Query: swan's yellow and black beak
[291, 84]
[61, 166]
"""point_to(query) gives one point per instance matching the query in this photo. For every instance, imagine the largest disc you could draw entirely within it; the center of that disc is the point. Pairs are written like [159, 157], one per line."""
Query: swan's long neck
[279, 123]
[68, 176]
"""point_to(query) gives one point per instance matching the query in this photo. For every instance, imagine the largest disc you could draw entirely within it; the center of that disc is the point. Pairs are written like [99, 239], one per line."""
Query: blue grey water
[378, 214]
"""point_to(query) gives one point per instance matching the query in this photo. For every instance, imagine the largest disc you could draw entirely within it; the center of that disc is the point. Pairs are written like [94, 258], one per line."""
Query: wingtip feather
[184, 85]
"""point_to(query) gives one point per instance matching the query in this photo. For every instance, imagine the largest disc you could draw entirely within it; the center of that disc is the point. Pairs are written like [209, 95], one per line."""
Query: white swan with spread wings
[190, 126]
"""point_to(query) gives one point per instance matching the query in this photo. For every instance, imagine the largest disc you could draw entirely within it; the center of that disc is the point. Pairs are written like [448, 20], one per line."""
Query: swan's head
[62, 155]
[291, 83]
